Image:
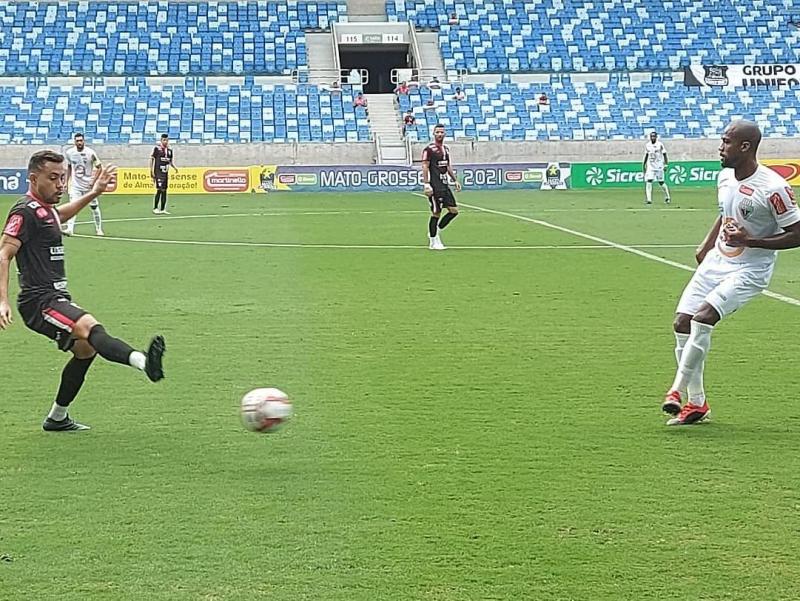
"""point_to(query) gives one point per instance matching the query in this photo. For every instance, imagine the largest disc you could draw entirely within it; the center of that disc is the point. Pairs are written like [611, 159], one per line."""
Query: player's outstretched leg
[118, 351]
[665, 188]
[72, 378]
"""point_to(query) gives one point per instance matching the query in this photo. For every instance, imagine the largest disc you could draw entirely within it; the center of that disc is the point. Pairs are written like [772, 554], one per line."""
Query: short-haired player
[654, 164]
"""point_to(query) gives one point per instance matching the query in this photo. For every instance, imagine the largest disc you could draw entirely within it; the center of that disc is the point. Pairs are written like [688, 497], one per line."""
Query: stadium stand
[621, 108]
[136, 112]
[158, 38]
[603, 35]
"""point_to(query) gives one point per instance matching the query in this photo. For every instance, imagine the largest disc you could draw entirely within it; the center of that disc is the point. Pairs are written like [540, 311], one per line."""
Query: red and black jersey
[163, 159]
[40, 259]
[438, 158]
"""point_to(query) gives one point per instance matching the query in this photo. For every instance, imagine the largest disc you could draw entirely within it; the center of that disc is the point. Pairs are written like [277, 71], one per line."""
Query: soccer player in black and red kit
[161, 159]
[436, 167]
[32, 235]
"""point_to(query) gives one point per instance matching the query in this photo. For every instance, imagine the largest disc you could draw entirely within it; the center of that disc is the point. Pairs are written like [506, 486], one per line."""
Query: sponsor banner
[13, 181]
[628, 175]
[393, 178]
[188, 180]
[788, 169]
[737, 77]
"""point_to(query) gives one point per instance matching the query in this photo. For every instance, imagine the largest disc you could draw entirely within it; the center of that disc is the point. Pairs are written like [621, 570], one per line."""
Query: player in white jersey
[654, 163]
[757, 217]
[82, 162]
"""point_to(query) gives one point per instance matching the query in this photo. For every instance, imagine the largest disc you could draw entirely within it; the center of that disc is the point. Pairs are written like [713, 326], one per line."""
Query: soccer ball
[265, 409]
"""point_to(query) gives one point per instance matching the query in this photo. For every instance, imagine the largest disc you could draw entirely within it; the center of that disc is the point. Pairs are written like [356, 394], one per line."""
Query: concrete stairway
[321, 65]
[366, 11]
[384, 122]
[430, 56]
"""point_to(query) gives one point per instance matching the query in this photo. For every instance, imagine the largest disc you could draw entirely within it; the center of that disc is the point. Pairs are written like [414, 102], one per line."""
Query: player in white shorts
[654, 163]
[758, 216]
[81, 164]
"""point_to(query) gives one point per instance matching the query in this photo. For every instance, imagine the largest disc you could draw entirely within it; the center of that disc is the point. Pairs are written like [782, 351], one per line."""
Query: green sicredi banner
[630, 175]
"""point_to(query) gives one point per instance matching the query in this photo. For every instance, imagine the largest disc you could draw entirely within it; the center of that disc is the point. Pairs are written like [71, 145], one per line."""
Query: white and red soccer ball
[265, 409]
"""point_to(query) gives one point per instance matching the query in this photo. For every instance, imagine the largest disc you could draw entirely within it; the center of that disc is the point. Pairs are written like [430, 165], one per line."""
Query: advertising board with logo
[13, 181]
[788, 169]
[188, 180]
[678, 173]
[393, 178]
[738, 77]
[628, 175]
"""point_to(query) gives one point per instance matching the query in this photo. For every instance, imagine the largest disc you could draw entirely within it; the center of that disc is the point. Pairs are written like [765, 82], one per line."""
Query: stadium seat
[603, 35]
[159, 38]
[616, 109]
[190, 112]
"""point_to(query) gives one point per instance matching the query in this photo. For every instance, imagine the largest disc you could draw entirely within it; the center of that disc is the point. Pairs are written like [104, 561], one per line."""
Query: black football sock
[109, 348]
[447, 219]
[163, 200]
[156, 198]
[433, 222]
[72, 379]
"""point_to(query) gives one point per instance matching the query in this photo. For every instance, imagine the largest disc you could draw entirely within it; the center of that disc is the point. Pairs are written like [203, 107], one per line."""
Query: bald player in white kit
[82, 162]
[757, 217]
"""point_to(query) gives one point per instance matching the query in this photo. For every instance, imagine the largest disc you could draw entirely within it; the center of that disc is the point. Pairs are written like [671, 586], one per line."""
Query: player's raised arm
[104, 176]
[8, 250]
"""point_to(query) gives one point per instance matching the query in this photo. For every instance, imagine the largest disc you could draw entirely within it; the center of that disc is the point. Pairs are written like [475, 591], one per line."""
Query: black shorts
[162, 182]
[441, 198]
[53, 315]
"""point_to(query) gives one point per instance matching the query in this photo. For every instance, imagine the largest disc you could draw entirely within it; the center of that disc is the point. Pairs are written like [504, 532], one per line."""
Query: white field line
[623, 247]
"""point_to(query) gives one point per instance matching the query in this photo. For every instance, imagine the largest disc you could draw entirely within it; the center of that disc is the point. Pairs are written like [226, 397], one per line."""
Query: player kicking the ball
[758, 217]
[654, 163]
[436, 168]
[32, 236]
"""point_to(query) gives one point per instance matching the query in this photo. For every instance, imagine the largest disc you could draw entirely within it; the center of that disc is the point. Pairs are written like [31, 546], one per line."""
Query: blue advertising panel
[394, 178]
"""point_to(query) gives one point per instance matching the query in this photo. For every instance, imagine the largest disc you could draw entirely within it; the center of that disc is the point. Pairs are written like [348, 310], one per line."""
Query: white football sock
[137, 360]
[680, 343]
[696, 392]
[57, 413]
[98, 218]
[665, 187]
[692, 358]
[648, 188]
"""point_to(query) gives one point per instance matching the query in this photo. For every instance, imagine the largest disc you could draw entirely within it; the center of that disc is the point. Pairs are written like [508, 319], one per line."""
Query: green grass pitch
[478, 424]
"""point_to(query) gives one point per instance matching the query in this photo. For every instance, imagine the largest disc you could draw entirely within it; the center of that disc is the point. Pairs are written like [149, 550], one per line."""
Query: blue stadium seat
[192, 112]
[616, 109]
[159, 38]
[592, 35]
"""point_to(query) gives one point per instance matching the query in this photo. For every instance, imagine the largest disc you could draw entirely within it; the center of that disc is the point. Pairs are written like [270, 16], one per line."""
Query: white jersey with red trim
[763, 204]
[83, 163]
